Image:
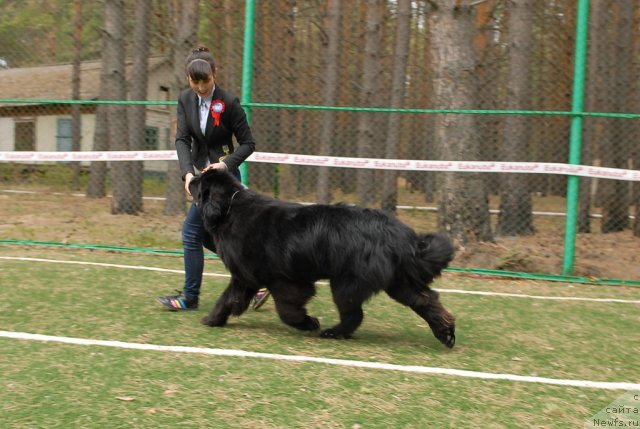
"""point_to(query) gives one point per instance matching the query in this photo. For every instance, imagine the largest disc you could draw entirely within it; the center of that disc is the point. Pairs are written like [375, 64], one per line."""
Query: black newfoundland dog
[287, 247]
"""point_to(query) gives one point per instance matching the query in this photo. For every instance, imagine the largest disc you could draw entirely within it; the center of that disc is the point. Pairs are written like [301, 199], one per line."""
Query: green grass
[52, 385]
[61, 385]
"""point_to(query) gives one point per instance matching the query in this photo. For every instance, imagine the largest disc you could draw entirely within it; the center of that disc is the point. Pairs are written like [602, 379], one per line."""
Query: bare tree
[515, 216]
[398, 85]
[185, 23]
[230, 66]
[113, 67]
[96, 187]
[269, 134]
[420, 146]
[464, 207]
[76, 111]
[331, 75]
[491, 32]
[615, 193]
[286, 56]
[137, 113]
[594, 99]
[554, 30]
[370, 82]
[349, 76]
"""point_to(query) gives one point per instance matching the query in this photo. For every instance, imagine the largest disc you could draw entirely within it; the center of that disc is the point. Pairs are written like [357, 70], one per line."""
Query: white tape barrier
[344, 162]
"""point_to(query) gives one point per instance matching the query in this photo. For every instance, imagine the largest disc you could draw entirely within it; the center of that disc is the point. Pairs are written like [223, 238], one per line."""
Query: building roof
[53, 82]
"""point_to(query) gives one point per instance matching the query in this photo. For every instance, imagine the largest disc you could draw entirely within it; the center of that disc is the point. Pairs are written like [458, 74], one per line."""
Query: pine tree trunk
[389, 197]
[185, 24]
[96, 187]
[287, 57]
[615, 207]
[137, 113]
[332, 60]
[515, 216]
[594, 92]
[367, 130]
[464, 207]
[113, 67]
[76, 111]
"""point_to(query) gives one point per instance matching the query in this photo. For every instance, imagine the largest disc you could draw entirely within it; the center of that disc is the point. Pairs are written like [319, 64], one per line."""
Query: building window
[151, 138]
[63, 136]
[25, 135]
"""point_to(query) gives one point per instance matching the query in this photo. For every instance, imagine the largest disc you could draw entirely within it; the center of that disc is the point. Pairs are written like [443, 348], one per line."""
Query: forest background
[487, 55]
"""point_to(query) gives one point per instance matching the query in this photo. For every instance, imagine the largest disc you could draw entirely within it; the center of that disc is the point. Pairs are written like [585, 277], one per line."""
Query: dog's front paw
[447, 336]
[212, 321]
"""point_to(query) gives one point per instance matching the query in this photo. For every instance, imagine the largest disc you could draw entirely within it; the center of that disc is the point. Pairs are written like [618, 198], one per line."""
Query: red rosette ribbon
[217, 108]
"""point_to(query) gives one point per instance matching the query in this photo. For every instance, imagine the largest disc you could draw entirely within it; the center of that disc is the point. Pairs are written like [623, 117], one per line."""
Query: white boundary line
[341, 362]
[554, 298]
[459, 291]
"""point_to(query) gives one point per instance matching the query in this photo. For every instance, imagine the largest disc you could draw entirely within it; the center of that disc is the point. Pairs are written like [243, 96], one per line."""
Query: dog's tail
[434, 252]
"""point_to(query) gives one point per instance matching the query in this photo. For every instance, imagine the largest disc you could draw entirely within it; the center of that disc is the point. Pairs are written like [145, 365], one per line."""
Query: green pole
[247, 69]
[575, 144]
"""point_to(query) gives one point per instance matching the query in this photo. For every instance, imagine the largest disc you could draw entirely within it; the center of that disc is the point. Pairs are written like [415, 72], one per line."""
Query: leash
[231, 202]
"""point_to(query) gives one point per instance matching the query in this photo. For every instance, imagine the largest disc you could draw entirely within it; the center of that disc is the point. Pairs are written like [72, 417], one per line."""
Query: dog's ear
[209, 202]
[194, 188]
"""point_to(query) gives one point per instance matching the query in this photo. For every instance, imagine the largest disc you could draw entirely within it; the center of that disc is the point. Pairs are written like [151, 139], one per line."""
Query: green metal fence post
[575, 144]
[247, 69]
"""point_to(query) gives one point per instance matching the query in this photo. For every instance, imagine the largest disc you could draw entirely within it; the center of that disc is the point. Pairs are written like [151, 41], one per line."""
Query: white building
[42, 126]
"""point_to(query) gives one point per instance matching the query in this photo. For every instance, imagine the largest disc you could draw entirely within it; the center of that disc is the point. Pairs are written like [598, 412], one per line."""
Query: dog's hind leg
[427, 305]
[290, 301]
[234, 300]
[349, 303]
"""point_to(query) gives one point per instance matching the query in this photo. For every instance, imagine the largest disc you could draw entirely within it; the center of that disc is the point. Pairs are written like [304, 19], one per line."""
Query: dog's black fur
[286, 247]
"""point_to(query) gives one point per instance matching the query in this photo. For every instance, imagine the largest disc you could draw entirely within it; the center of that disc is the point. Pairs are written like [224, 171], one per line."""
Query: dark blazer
[193, 147]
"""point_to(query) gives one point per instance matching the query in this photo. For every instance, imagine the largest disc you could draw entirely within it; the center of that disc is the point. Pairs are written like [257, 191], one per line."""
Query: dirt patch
[597, 256]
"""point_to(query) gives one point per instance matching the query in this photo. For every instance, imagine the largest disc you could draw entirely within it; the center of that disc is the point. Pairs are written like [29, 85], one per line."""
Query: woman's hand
[187, 180]
[217, 166]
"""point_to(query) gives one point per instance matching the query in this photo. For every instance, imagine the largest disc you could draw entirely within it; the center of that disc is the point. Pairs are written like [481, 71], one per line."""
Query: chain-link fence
[414, 61]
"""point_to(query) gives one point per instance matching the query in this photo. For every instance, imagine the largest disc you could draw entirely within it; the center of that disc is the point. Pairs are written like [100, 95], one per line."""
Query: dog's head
[212, 193]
